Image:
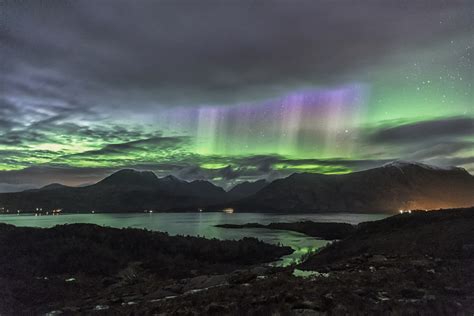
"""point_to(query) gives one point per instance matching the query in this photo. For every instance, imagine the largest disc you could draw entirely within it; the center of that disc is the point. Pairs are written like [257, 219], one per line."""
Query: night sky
[231, 90]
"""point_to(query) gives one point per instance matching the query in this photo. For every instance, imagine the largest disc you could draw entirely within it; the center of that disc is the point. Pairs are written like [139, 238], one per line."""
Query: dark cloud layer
[37, 176]
[183, 52]
[151, 144]
[425, 130]
[238, 170]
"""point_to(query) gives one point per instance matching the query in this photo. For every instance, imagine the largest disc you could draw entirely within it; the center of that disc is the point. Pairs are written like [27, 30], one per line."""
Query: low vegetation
[35, 262]
[418, 263]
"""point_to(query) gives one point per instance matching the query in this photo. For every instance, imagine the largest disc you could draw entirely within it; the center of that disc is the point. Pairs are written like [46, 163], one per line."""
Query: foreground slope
[75, 268]
[411, 264]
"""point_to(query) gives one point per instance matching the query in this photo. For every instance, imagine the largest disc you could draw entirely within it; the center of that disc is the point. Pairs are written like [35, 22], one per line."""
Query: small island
[327, 231]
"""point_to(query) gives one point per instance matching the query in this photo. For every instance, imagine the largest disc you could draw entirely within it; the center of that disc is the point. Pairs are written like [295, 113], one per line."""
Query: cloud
[208, 52]
[37, 176]
[190, 168]
[7, 114]
[53, 141]
[22, 123]
[443, 141]
[442, 149]
[6, 187]
[154, 144]
[425, 131]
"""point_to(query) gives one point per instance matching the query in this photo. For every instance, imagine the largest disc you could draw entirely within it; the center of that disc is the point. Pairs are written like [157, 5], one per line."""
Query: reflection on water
[300, 252]
[308, 274]
[202, 224]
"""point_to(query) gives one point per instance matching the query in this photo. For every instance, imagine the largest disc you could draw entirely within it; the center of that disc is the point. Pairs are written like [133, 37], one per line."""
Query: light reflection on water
[202, 224]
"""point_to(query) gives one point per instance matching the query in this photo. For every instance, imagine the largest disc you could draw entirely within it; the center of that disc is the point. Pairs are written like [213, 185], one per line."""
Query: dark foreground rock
[411, 264]
[445, 234]
[327, 231]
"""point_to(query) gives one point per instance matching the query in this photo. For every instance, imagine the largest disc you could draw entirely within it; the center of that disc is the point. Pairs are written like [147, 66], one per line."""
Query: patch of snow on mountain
[403, 164]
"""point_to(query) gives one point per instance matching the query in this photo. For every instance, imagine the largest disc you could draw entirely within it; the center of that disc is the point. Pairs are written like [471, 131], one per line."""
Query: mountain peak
[53, 186]
[399, 185]
[171, 178]
[130, 177]
[403, 164]
[247, 188]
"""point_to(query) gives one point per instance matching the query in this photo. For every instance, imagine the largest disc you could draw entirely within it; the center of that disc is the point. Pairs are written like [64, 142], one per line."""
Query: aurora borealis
[231, 91]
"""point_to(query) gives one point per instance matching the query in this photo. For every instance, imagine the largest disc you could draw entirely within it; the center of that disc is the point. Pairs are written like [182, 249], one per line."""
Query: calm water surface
[202, 224]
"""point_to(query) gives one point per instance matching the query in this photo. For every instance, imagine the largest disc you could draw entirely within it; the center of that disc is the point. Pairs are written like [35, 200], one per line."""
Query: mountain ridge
[247, 188]
[391, 187]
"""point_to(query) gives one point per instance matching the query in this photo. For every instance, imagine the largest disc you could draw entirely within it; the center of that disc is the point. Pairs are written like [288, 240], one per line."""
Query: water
[202, 224]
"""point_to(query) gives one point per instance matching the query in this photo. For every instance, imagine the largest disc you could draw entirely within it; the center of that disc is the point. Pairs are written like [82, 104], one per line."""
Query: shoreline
[210, 211]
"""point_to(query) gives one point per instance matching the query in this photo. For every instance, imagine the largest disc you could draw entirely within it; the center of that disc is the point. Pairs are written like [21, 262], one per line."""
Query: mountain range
[396, 186]
[390, 188]
[127, 190]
